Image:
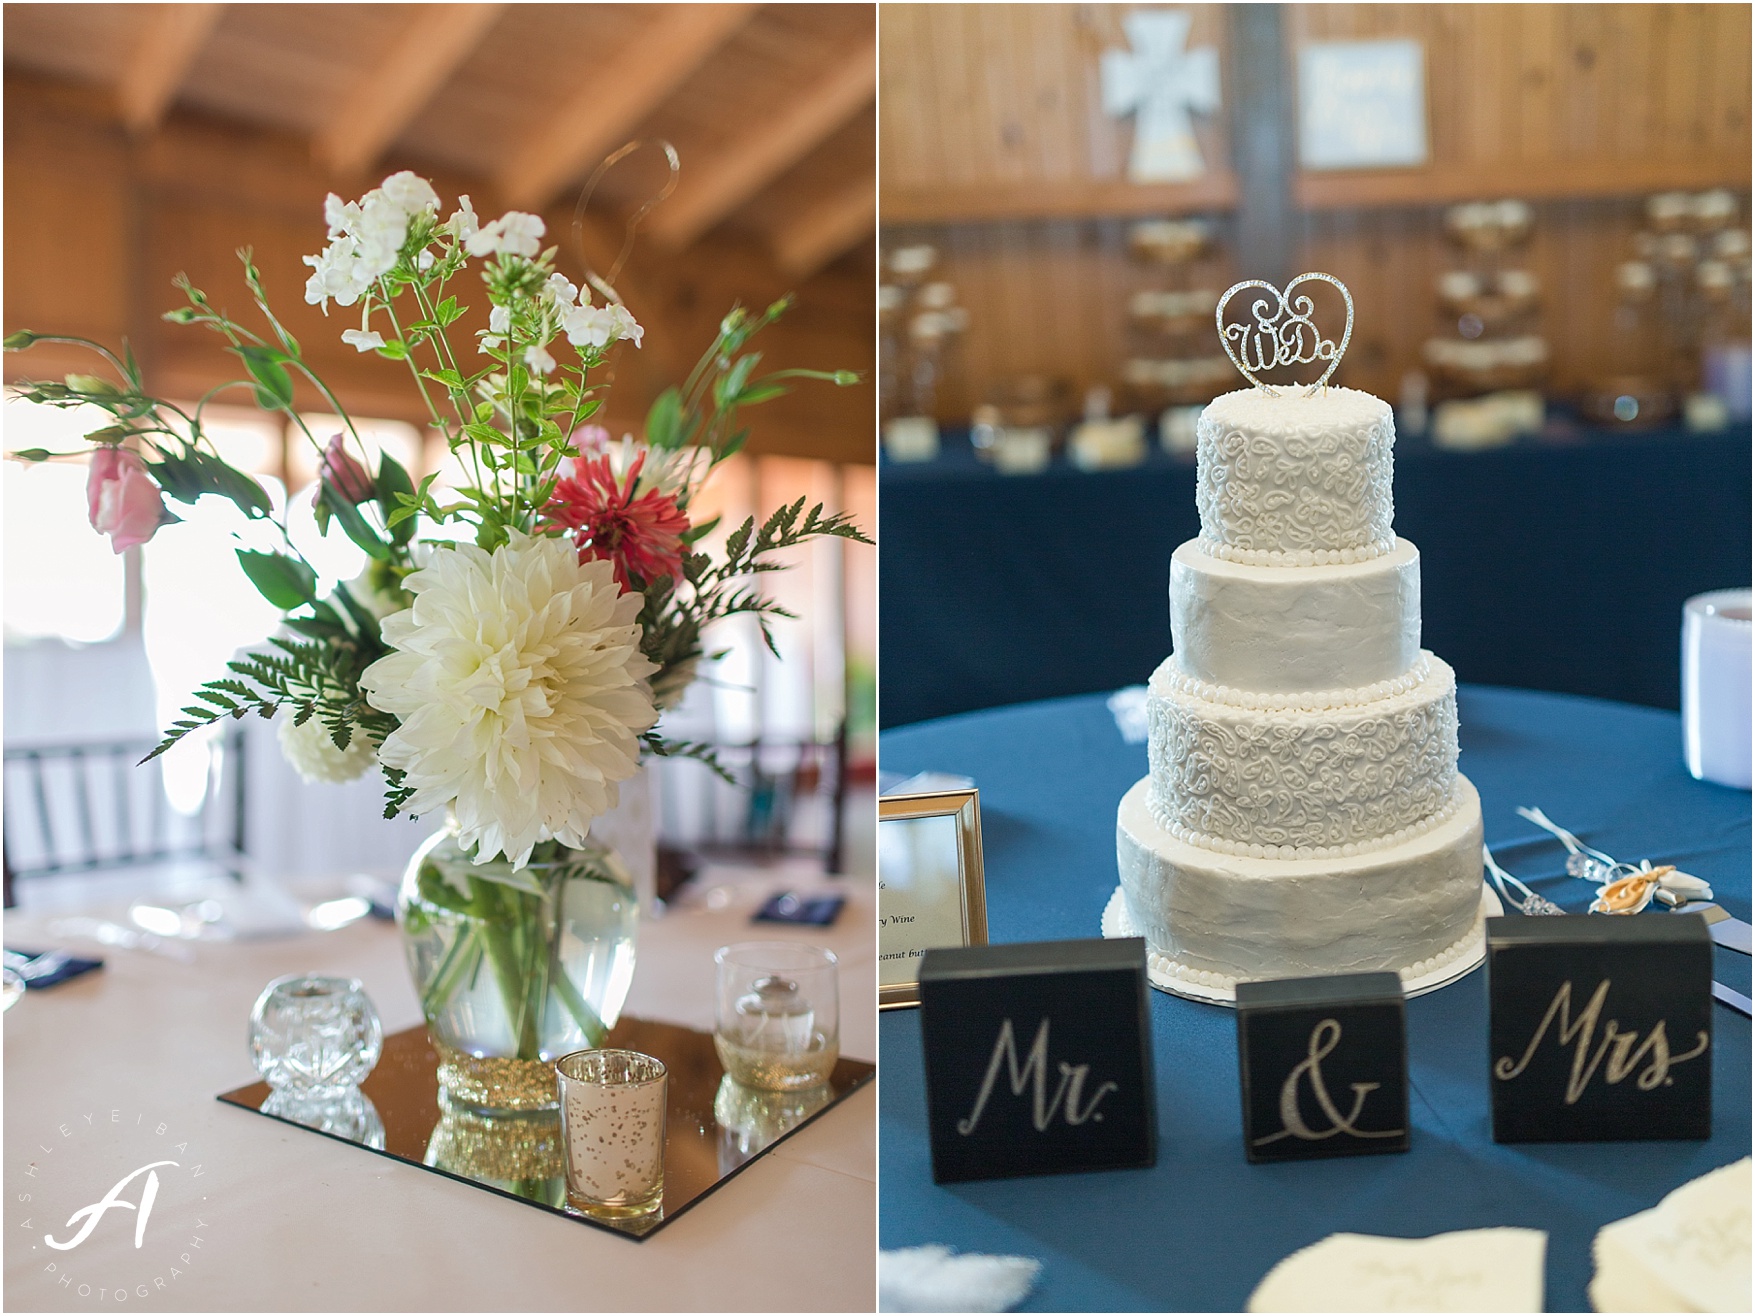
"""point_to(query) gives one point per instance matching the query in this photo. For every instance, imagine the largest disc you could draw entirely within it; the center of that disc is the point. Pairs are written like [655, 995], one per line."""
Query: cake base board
[1115, 924]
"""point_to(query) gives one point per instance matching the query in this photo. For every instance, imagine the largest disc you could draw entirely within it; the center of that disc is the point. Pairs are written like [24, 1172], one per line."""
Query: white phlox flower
[538, 359]
[521, 689]
[625, 324]
[515, 233]
[500, 320]
[559, 289]
[341, 215]
[311, 751]
[362, 340]
[462, 225]
[338, 274]
[365, 237]
[599, 326]
[411, 192]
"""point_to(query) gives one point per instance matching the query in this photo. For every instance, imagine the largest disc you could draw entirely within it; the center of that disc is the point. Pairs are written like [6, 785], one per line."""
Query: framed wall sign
[1361, 105]
[930, 888]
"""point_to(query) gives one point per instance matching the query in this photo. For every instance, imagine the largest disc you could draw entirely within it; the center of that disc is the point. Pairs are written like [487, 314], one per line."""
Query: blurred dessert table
[290, 1220]
[1198, 1231]
[1553, 564]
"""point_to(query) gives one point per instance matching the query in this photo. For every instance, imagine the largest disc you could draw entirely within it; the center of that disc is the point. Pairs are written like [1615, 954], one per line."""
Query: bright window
[62, 580]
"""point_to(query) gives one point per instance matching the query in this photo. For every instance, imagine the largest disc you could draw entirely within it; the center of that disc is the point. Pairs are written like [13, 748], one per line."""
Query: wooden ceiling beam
[149, 82]
[767, 151]
[822, 232]
[438, 38]
[615, 96]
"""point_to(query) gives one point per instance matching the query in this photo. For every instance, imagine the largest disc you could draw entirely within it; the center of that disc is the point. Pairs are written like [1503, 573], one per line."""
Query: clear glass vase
[516, 968]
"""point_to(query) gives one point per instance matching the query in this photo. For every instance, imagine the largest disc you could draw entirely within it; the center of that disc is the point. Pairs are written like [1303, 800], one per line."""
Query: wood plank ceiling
[770, 107]
[527, 96]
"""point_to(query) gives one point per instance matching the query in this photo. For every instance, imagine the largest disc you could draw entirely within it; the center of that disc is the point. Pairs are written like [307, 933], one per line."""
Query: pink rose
[345, 476]
[121, 498]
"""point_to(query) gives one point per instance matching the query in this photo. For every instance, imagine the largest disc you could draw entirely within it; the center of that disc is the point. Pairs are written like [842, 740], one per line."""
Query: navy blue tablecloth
[1553, 565]
[1198, 1231]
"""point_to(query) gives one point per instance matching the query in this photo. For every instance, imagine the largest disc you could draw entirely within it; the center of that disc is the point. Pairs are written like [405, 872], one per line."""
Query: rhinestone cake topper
[1284, 335]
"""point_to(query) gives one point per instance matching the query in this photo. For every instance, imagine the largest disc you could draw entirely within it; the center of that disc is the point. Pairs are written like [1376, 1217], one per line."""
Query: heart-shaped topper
[1283, 333]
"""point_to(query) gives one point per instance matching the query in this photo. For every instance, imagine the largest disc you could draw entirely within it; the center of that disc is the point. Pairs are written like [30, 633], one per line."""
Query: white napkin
[1471, 1270]
[933, 1279]
[1690, 1252]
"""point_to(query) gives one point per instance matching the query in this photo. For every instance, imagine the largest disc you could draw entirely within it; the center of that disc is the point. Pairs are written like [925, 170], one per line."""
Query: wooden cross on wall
[1161, 83]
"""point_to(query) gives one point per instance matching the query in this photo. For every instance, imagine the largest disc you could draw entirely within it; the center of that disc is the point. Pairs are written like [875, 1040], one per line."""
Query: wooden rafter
[614, 100]
[439, 37]
[150, 80]
[767, 151]
[825, 230]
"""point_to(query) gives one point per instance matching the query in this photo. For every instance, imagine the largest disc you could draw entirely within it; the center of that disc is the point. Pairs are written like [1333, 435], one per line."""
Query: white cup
[1716, 632]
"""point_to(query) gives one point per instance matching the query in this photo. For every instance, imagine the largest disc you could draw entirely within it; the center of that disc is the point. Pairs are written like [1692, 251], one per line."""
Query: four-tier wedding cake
[1303, 813]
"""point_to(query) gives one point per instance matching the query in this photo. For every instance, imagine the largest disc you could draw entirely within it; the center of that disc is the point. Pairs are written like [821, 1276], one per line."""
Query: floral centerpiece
[506, 654]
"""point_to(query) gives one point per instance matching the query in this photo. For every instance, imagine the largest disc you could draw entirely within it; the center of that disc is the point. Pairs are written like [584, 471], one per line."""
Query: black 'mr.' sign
[1324, 1066]
[1038, 1058]
[1601, 1027]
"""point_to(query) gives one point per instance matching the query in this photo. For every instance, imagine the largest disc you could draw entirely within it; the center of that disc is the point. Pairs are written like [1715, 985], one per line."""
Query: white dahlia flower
[311, 751]
[520, 685]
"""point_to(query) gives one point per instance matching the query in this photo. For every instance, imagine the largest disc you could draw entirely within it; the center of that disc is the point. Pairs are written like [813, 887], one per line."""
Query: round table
[1201, 1228]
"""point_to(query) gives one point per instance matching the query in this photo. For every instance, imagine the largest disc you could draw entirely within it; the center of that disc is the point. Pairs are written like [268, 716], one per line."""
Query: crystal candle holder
[314, 1036]
[351, 1116]
[612, 1126]
[778, 1019]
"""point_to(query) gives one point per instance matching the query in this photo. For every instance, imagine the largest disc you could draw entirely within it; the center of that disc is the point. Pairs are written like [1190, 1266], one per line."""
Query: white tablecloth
[271, 1217]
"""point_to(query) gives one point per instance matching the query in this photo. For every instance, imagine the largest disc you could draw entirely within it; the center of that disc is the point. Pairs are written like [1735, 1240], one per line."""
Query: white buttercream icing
[1283, 630]
[1233, 916]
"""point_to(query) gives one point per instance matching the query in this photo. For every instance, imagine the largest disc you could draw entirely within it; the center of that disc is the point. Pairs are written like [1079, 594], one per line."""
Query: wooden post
[1261, 111]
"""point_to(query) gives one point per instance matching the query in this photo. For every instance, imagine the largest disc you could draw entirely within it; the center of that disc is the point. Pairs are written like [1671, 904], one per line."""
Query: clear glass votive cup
[777, 1025]
[315, 1036]
[612, 1126]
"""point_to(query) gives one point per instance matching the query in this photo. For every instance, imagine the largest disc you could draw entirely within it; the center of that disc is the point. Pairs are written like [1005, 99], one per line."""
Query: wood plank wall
[994, 148]
[96, 226]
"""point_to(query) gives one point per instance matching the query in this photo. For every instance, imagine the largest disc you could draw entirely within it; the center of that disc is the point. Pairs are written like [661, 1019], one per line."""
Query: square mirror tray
[715, 1127]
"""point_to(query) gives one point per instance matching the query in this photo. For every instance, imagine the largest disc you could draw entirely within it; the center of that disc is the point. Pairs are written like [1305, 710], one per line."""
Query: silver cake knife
[1731, 933]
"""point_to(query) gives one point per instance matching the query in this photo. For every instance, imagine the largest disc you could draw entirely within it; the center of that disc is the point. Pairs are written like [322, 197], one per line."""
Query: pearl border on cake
[1210, 978]
[1296, 557]
[1313, 701]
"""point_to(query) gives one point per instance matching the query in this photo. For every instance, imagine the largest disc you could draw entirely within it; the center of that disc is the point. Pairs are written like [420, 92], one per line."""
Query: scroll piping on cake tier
[1301, 782]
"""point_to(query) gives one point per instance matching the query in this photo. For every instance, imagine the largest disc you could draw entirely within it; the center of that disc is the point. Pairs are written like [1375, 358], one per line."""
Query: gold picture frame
[961, 830]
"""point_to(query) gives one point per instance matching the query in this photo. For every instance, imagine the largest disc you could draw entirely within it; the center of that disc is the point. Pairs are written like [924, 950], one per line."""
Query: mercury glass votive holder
[315, 1036]
[778, 1014]
[612, 1128]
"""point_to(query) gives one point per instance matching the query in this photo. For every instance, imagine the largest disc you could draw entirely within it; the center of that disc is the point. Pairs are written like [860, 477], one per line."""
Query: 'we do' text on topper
[1283, 332]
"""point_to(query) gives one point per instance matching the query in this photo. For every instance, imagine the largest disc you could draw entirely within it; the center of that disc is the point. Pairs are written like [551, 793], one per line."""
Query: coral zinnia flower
[640, 534]
[521, 687]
